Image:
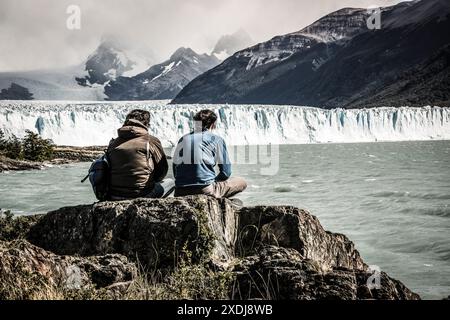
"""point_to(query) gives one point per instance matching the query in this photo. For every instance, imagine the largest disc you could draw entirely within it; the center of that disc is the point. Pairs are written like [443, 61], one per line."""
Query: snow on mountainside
[232, 43]
[340, 25]
[85, 81]
[112, 60]
[162, 81]
[59, 84]
[166, 80]
[338, 62]
[81, 124]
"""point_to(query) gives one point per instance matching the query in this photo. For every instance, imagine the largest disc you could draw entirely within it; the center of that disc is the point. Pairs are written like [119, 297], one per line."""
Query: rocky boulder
[294, 228]
[155, 232]
[25, 269]
[282, 273]
[270, 252]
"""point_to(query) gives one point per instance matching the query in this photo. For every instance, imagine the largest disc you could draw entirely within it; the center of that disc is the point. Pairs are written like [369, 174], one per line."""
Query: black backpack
[99, 176]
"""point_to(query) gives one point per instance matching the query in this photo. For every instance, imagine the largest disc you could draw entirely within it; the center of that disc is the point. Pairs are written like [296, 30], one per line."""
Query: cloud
[33, 33]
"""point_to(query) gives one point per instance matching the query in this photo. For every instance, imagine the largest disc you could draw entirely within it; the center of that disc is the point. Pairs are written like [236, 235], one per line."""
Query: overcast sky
[33, 33]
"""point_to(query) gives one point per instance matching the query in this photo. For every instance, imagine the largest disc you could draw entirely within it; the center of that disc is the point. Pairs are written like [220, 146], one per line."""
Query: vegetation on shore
[15, 227]
[32, 152]
[32, 147]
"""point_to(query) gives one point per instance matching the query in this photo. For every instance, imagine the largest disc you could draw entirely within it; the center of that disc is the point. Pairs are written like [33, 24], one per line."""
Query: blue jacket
[195, 158]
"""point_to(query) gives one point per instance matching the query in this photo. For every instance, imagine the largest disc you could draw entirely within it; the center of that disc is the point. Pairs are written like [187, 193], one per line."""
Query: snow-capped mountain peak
[164, 80]
[113, 59]
[182, 52]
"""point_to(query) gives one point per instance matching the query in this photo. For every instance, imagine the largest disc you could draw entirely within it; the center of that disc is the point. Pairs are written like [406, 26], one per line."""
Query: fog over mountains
[115, 71]
[229, 44]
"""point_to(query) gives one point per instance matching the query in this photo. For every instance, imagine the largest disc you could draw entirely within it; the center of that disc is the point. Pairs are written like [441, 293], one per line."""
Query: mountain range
[339, 62]
[167, 79]
[117, 71]
[52, 84]
[113, 59]
[164, 80]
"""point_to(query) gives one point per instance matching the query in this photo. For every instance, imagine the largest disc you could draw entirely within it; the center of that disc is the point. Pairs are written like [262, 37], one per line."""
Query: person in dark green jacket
[137, 161]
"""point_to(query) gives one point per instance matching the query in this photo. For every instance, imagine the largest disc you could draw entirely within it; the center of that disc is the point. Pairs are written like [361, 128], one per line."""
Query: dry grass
[186, 281]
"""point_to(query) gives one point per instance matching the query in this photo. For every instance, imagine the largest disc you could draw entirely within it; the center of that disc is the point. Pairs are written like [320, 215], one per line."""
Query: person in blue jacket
[196, 157]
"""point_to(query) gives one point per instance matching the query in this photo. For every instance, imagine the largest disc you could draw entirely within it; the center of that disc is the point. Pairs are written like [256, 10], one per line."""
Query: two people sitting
[139, 166]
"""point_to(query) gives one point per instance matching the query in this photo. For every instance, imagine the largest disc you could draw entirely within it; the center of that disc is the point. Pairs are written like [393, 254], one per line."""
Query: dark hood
[132, 129]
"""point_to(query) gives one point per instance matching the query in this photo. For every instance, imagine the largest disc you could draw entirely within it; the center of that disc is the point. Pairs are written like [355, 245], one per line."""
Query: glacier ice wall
[85, 124]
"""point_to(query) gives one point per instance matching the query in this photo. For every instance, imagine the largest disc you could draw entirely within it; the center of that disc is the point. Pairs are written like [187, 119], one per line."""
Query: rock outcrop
[154, 231]
[289, 227]
[77, 154]
[271, 252]
[27, 268]
[61, 155]
[16, 92]
[281, 273]
[7, 164]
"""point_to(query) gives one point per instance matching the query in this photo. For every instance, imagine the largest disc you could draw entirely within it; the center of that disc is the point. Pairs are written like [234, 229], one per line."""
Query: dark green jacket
[137, 161]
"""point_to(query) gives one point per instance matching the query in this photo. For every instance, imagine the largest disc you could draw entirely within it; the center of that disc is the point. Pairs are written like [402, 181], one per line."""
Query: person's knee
[244, 184]
[241, 183]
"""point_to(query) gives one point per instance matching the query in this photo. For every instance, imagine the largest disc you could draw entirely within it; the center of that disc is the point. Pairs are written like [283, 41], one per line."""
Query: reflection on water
[391, 199]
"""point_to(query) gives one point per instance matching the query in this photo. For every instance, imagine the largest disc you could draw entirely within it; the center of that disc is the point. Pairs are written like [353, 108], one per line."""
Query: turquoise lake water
[391, 199]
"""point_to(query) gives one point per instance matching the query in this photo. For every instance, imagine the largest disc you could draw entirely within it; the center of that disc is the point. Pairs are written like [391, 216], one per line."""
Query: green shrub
[15, 227]
[32, 147]
[11, 148]
[37, 149]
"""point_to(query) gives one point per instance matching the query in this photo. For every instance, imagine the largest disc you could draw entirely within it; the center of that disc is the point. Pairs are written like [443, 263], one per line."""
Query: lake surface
[391, 199]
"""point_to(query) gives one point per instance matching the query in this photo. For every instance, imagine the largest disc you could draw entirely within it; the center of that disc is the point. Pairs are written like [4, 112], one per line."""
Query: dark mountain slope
[336, 62]
[162, 81]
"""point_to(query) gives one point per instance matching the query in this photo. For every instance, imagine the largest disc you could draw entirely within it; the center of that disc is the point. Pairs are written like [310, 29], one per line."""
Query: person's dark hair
[142, 116]
[206, 117]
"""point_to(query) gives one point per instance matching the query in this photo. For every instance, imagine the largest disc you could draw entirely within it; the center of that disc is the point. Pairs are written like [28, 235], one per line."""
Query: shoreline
[76, 154]
[62, 155]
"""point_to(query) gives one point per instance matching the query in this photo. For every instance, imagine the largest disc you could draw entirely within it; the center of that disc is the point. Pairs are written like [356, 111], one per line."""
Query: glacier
[95, 123]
